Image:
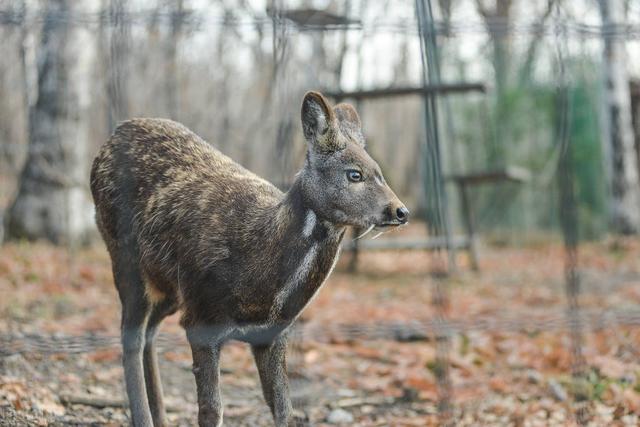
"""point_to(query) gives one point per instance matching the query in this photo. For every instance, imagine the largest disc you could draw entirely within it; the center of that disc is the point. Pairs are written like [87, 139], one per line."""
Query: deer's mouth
[387, 225]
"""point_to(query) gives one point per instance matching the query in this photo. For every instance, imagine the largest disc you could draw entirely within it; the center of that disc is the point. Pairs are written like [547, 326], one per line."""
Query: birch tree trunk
[52, 201]
[617, 126]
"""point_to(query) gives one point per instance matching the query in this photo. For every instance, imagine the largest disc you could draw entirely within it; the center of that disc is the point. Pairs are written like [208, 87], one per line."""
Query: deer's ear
[345, 113]
[319, 122]
[349, 123]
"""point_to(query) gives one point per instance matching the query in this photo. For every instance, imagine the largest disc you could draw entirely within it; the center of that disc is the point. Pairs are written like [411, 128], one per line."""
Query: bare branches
[534, 44]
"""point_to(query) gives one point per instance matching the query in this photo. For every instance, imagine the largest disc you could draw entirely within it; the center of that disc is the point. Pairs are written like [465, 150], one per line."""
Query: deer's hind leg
[150, 361]
[135, 316]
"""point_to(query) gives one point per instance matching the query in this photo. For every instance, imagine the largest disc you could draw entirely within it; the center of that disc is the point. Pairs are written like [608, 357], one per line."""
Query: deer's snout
[402, 214]
[397, 213]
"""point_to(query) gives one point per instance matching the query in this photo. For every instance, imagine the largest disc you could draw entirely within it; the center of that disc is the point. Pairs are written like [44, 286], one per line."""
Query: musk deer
[189, 229]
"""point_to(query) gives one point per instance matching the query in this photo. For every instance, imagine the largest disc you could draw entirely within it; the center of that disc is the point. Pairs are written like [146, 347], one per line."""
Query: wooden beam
[429, 244]
[510, 173]
[440, 89]
[312, 18]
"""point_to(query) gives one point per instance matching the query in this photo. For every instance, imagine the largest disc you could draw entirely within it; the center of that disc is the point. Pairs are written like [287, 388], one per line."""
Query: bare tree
[617, 126]
[497, 22]
[52, 202]
[176, 12]
[526, 70]
[117, 63]
[497, 19]
[445, 7]
[13, 88]
[344, 46]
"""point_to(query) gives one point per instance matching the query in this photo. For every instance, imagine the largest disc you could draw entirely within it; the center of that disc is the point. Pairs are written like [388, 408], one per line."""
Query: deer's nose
[402, 215]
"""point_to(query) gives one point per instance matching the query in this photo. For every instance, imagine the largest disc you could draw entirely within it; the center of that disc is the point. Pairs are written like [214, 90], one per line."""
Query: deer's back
[173, 201]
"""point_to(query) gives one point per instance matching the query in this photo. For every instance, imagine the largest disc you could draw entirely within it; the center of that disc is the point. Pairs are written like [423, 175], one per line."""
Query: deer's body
[187, 228]
[209, 233]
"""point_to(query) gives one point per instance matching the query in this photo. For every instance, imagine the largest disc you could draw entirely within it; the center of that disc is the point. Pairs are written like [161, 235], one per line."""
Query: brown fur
[187, 228]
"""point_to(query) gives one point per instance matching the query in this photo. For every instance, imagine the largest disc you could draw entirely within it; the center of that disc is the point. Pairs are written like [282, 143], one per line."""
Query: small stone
[347, 392]
[368, 409]
[409, 394]
[339, 416]
[557, 391]
[628, 378]
[534, 377]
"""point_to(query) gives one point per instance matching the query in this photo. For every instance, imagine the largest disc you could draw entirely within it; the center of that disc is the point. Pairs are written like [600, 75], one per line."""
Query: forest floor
[366, 355]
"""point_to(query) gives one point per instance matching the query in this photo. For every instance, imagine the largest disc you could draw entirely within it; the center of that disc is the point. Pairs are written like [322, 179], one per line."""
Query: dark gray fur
[188, 229]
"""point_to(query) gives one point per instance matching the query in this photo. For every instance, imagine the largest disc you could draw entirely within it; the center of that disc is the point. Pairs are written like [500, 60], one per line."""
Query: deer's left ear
[347, 114]
[349, 123]
[319, 123]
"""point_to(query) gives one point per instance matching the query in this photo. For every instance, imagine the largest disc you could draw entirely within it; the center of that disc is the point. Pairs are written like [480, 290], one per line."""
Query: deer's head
[341, 182]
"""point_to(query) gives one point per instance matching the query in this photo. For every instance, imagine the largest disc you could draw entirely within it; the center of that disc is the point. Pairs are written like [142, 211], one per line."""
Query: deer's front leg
[272, 367]
[206, 368]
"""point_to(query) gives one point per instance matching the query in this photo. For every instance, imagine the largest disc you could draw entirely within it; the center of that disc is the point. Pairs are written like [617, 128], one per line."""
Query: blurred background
[510, 128]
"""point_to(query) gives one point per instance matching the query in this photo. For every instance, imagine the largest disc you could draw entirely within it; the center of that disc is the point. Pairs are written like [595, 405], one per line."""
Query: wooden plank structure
[322, 20]
[310, 19]
[433, 243]
[427, 90]
[467, 181]
[468, 241]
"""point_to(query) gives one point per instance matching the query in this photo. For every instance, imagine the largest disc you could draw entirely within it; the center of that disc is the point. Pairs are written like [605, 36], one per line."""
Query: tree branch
[532, 50]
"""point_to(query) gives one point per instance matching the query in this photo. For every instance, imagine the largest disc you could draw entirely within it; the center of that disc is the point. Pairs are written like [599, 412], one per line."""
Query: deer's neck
[307, 248]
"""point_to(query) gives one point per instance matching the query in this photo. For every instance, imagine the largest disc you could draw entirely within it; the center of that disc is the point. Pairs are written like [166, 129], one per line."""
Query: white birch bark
[617, 126]
[52, 201]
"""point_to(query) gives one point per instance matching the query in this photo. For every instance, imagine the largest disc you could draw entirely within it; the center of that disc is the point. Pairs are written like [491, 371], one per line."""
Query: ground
[365, 350]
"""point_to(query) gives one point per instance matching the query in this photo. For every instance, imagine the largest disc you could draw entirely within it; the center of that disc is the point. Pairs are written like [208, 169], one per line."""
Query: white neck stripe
[309, 223]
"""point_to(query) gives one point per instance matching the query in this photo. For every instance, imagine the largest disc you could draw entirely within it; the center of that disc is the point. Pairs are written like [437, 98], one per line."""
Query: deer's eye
[354, 175]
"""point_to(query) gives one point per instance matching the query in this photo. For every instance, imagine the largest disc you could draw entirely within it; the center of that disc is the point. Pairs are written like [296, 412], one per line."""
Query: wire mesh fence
[201, 20]
[563, 176]
[414, 331]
